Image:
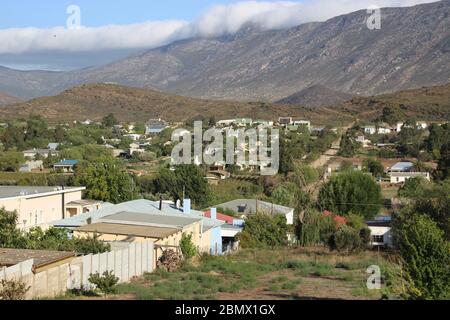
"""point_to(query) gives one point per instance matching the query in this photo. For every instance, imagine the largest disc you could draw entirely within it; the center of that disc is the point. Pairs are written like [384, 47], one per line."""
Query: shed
[43, 259]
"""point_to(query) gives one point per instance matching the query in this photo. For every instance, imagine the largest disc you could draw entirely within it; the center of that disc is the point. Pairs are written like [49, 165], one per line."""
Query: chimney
[214, 213]
[187, 206]
[160, 203]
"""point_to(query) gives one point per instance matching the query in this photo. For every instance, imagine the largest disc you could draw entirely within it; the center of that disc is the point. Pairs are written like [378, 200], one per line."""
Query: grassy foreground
[264, 275]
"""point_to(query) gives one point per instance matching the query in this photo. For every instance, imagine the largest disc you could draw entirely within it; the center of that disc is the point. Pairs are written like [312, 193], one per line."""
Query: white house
[133, 136]
[381, 233]
[303, 123]
[384, 130]
[370, 130]
[402, 177]
[365, 142]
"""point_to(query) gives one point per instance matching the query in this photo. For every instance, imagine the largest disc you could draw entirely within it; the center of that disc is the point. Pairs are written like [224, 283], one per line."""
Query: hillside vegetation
[94, 101]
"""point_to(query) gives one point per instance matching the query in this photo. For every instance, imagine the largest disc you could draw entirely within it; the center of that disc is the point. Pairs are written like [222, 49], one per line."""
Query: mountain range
[411, 50]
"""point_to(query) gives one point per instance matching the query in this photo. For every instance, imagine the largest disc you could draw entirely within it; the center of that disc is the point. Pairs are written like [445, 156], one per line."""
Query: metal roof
[66, 163]
[156, 220]
[17, 191]
[129, 230]
[402, 166]
[248, 206]
[136, 206]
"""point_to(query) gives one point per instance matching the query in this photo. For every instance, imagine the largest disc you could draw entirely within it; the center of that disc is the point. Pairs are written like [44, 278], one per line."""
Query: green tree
[11, 161]
[10, 236]
[349, 146]
[187, 179]
[413, 188]
[106, 180]
[262, 230]
[443, 170]
[425, 254]
[392, 115]
[187, 246]
[106, 283]
[374, 167]
[110, 121]
[354, 192]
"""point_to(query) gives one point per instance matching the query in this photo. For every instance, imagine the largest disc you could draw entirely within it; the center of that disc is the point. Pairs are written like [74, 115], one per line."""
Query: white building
[303, 123]
[384, 130]
[38, 206]
[370, 130]
[381, 233]
[402, 177]
[133, 136]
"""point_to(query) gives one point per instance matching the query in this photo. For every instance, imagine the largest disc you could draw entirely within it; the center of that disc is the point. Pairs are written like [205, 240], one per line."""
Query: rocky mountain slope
[316, 96]
[412, 49]
[6, 99]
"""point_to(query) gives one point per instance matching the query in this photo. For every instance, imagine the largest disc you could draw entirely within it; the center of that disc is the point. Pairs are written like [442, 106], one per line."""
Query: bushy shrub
[187, 246]
[346, 239]
[263, 230]
[106, 283]
[425, 254]
[13, 290]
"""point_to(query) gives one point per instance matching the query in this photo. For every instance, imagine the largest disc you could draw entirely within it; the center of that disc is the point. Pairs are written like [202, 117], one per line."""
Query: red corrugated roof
[220, 216]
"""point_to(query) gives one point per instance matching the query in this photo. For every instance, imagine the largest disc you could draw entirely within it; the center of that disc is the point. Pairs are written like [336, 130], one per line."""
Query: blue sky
[50, 13]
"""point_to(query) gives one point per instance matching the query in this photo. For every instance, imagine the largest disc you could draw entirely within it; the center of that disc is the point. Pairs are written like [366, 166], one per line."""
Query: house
[141, 220]
[381, 233]
[420, 125]
[42, 259]
[38, 206]
[66, 166]
[155, 126]
[223, 123]
[133, 136]
[384, 129]
[44, 153]
[402, 177]
[370, 129]
[30, 166]
[285, 121]
[263, 123]
[77, 207]
[365, 142]
[243, 122]
[53, 146]
[301, 123]
[246, 207]
[402, 166]
[87, 122]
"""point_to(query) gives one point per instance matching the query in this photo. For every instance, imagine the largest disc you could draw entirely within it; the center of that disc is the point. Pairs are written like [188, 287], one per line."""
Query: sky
[45, 35]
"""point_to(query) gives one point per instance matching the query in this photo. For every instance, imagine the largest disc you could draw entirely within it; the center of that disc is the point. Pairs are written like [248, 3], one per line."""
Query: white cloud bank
[219, 20]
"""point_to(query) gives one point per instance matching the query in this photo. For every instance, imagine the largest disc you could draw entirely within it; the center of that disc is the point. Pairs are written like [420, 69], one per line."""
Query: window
[378, 239]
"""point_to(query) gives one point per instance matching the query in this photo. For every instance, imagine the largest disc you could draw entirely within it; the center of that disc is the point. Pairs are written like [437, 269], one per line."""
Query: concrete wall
[136, 260]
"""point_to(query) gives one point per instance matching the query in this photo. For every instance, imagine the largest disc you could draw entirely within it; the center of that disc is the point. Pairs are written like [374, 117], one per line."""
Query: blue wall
[216, 239]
